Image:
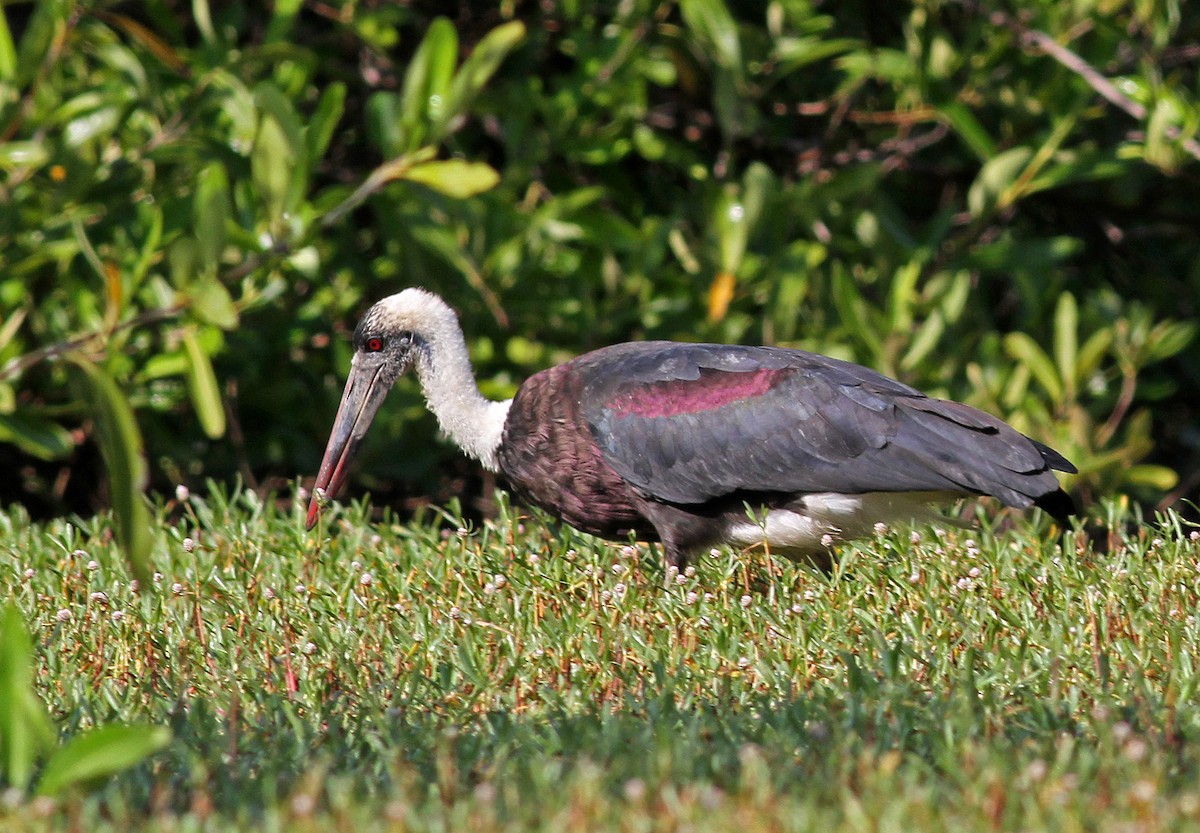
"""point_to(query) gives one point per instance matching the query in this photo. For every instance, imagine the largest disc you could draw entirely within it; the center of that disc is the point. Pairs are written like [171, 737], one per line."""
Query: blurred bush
[198, 199]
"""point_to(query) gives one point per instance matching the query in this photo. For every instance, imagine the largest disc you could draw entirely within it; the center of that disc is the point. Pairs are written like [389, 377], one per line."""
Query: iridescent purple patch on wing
[714, 389]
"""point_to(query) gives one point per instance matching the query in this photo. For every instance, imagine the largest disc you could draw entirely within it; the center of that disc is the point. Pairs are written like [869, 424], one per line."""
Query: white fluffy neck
[474, 423]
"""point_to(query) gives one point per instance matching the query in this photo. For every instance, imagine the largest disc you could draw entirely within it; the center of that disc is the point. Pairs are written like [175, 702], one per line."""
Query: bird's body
[698, 444]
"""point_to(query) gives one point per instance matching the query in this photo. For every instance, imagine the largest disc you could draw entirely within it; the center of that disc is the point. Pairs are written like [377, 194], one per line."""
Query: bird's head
[393, 334]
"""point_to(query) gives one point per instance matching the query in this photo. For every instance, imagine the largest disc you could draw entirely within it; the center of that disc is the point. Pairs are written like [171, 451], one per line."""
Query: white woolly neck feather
[474, 423]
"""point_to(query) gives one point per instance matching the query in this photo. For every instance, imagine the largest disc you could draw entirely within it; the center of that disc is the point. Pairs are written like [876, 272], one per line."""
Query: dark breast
[550, 459]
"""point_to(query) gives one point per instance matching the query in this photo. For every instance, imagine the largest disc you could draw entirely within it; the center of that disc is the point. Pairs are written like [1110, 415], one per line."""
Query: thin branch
[22, 363]
[1095, 79]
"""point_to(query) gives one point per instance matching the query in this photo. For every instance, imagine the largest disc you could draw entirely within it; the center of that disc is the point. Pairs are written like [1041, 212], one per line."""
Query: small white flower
[746, 600]
[303, 805]
[635, 789]
[79, 554]
[964, 583]
[827, 540]
[99, 597]
[93, 565]
[881, 528]
[455, 613]
[1143, 791]
[489, 589]
[974, 572]
[690, 572]
[1135, 749]
[914, 537]
[619, 590]
[914, 577]
[628, 552]
[356, 566]
[375, 540]
[177, 589]
[365, 579]
[681, 579]
[534, 558]
[182, 493]
[743, 663]
[809, 595]
[135, 586]
[1157, 543]
[692, 597]
[797, 608]
[500, 580]
[1194, 535]
[268, 593]
[462, 532]
[605, 596]
[158, 577]
[309, 648]
[619, 569]
[118, 615]
[63, 615]
[29, 573]
[301, 589]
[189, 545]
[708, 597]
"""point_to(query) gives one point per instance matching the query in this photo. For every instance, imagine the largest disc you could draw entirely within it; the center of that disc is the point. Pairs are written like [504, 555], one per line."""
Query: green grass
[522, 677]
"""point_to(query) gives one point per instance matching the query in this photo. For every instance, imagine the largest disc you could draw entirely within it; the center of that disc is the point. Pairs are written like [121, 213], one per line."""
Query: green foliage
[200, 199]
[27, 736]
[517, 677]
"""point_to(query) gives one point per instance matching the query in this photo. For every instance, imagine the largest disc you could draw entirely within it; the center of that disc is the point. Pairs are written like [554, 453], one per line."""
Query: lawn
[378, 675]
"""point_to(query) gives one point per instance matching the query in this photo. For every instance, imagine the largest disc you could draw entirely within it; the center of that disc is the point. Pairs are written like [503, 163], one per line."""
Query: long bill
[366, 388]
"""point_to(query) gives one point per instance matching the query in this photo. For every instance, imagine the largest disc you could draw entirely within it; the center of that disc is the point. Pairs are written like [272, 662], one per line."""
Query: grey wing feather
[819, 425]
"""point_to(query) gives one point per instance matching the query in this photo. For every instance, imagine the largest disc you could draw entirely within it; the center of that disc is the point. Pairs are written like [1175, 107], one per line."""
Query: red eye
[374, 345]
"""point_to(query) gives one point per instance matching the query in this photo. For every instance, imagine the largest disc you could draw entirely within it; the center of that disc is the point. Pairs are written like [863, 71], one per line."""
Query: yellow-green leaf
[454, 177]
[36, 435]
[1025, 350]
[25, 729]
[202, 385]
[99, 753]
[121, 447]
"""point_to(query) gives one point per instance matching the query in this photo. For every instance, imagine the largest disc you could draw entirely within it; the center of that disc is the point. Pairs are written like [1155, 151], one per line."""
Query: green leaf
[36, 435]
[927, 337]
[1156, 477]
[202, 385]
[996, 175]
[25, 728]
[454, 177]
[1092, 352]
[1025, 350]
[8, 51]
[429, 73]
[99, 753]
[121, 447]
[23, 154]
[211, 303]
[474, 74]
[277, 161]
[319, 132]
[1066, 341]
[211, 208]
[271, 167]
[969, 130]
[714, 26]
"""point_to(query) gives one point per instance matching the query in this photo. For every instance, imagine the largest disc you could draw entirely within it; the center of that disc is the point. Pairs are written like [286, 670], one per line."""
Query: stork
[694, 445]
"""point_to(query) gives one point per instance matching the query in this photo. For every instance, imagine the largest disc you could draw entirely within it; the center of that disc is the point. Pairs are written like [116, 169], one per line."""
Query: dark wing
[686, 423]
